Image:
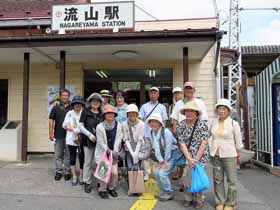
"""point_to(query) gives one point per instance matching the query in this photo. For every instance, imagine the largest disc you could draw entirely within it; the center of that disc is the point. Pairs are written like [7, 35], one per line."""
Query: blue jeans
[162, 176]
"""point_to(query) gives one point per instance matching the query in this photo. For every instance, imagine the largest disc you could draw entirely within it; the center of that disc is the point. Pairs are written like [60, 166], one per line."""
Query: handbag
[200, 180]
[136, 180]
[104, 168]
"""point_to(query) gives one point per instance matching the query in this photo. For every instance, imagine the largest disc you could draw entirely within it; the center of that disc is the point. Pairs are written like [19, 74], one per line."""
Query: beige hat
[105, 93]
[108, 108]
[177, 89]
[224, 102]
[189, 84]
[154, 88]
[132, 108]
[190, 106]
[155, 116]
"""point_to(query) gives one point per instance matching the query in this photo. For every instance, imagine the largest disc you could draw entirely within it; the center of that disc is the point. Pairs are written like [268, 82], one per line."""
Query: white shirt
[176, 115]
[71, 119]
[228, 142]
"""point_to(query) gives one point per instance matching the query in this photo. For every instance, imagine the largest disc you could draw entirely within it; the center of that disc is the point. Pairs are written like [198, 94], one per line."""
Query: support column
[62, 70]
[246, 126]
[25, 106]
[142, 93]
[186, 64]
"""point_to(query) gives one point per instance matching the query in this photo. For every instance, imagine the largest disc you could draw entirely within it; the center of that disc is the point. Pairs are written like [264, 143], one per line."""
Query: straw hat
[108, 108]
[105, 93]
[224, 102]
[155, 116]
[190, 106]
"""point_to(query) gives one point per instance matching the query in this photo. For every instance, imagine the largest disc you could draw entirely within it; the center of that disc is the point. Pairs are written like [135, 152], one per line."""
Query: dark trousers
[73, 155]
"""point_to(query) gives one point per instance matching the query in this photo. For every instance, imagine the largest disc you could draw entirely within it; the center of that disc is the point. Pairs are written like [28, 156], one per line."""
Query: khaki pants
[89, 163]
[187, 176]
[225, 167]
[113, 180]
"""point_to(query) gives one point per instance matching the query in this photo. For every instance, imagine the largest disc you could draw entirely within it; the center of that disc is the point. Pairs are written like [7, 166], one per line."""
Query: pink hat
[189, 84]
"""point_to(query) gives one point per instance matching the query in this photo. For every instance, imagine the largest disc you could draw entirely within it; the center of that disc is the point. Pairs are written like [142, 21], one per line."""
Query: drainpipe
[216, 69]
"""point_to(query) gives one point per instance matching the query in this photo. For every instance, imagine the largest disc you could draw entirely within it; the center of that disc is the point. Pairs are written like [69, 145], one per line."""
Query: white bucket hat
[132, 108]
[155, 116]
[190, 106]
[224, 102]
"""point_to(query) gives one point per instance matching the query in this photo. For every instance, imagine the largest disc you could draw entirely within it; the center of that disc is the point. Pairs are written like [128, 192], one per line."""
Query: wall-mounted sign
[109, 15]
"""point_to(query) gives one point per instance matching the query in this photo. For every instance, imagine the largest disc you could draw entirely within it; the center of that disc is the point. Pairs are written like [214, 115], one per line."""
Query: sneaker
[146, 177]
[103, 195]
[67, 177]
[166, 196]
[220, 207]
[57, 176]
[81, 181]
[87, 188]
[158, 195]
[74, 181]
[198, 204]
[113, 193]
[188, 204]
[228, 208]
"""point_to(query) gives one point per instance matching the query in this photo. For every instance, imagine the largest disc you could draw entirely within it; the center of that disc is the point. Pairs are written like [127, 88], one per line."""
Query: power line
[147, 13]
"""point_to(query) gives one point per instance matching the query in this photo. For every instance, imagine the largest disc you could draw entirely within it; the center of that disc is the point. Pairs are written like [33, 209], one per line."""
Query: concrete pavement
[31, 186]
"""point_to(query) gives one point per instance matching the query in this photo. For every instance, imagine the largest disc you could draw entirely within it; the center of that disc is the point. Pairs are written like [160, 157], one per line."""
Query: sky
[257, 27]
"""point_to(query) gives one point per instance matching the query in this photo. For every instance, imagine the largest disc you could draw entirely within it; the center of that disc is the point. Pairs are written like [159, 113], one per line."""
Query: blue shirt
[122, 116]
[168, 142]
[146, 109]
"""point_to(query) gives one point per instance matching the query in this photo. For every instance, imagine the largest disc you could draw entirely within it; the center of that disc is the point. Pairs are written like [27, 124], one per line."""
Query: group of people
[138, 137]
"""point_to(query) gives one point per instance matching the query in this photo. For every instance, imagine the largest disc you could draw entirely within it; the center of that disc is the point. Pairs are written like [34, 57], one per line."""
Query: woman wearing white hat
[164, 149]
[133, 130]
[192, 134]
[133, 136]
[224, 149]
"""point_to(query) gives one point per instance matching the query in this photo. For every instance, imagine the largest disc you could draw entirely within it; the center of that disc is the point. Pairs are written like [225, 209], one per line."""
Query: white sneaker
[146, 177]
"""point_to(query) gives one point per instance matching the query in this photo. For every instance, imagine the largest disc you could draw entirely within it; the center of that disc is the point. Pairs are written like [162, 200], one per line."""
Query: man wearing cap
[189, 90]
[153, 106]
[106, 96]
[57, 134]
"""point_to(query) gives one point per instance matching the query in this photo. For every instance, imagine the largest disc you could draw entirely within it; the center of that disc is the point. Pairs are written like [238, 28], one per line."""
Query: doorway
[135, 82]
[3, 101]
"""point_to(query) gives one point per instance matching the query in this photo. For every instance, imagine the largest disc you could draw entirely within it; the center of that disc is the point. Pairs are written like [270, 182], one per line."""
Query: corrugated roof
[265, 49]
[23, 9]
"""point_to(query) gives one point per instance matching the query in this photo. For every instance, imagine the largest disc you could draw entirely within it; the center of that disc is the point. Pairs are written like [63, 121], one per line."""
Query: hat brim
[149, 120]
[182, 111]
[116, 114]
[107, 95]
[132, 111]
[225, 105]
[92, 98]
[78, 102]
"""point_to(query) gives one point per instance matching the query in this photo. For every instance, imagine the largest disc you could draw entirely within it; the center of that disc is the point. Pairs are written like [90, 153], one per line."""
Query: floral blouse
[200, 134]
